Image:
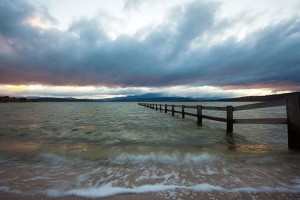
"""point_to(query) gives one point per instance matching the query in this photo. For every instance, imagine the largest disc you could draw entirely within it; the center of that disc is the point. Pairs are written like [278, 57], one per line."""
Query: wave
[164, 158]
[132, 158]
[109, 190]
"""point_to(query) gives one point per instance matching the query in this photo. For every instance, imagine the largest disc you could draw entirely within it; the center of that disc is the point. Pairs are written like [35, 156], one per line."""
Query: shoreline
[173, 194]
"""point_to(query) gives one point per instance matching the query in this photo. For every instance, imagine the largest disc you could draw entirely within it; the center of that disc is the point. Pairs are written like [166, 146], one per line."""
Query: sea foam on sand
[109, 190]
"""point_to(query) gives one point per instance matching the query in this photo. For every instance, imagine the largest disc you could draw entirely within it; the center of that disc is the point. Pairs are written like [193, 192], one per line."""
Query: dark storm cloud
[84, 54]
[268, 56]
[11, 16]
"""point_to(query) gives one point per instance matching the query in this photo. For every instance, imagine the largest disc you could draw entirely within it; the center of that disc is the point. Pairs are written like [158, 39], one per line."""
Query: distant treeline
[13, 99]
[43, 99]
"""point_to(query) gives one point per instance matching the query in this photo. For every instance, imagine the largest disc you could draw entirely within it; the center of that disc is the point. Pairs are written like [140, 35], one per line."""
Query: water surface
[103, 149]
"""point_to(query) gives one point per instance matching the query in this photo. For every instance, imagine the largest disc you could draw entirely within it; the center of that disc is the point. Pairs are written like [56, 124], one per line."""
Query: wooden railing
[292, 104]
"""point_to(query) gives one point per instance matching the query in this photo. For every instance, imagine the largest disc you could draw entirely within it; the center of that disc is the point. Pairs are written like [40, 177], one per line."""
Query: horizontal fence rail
[228, 109]
[292, 104]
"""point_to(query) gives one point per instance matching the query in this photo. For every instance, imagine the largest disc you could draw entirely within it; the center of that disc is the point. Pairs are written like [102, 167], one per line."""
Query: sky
[190, 48]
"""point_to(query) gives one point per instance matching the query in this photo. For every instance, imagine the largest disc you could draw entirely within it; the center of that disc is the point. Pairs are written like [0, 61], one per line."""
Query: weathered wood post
[172, 109]
[166, 107]
[156, 107]
[229, 110]
[159, 107]
[199, 115]
[293, 121]
[182, 111]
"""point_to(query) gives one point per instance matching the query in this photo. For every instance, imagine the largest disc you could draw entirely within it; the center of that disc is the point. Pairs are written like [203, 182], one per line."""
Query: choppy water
[104, 149]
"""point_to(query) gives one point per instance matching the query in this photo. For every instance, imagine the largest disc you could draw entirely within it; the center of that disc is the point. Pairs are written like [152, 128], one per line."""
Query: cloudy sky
[100, 48]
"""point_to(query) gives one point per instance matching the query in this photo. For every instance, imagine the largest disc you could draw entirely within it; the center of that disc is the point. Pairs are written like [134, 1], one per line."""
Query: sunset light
[92, 48]
[149, 99]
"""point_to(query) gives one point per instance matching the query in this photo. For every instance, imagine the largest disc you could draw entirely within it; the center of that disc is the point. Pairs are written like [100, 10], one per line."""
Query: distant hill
[150, 97]
[261, 98]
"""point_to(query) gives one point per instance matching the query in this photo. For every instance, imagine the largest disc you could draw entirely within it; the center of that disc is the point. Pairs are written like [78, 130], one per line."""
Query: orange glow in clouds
[36, 21]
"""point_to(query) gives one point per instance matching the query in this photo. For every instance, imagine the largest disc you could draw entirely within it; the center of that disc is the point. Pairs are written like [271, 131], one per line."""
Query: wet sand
[165, 195]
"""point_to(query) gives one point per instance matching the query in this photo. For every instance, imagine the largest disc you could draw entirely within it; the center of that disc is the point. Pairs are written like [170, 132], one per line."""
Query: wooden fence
[292, 104]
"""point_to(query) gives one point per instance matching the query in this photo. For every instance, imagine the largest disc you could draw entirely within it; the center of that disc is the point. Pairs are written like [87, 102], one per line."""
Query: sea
[103, 149]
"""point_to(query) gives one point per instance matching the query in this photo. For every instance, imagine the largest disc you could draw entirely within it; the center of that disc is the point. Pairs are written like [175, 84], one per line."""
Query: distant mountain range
[150, 97]
[158, 97]
[261, 98]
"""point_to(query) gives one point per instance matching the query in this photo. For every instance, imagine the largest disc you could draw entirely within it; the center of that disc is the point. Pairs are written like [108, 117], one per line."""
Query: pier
[292, 104]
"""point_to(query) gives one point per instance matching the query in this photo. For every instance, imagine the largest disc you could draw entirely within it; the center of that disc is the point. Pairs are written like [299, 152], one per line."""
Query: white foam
[204, 187]
[109, 190]
[209, 170]
[174, 158]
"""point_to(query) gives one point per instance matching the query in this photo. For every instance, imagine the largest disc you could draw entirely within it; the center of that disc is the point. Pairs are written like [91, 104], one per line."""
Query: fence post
[182, 110]
[172, 109]
[159, 107]
[293, 121]
[199, 115]
[166, 108]
[229, 118]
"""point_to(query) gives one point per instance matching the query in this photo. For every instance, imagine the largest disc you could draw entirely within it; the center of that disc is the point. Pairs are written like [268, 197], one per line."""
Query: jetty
[292, 119]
